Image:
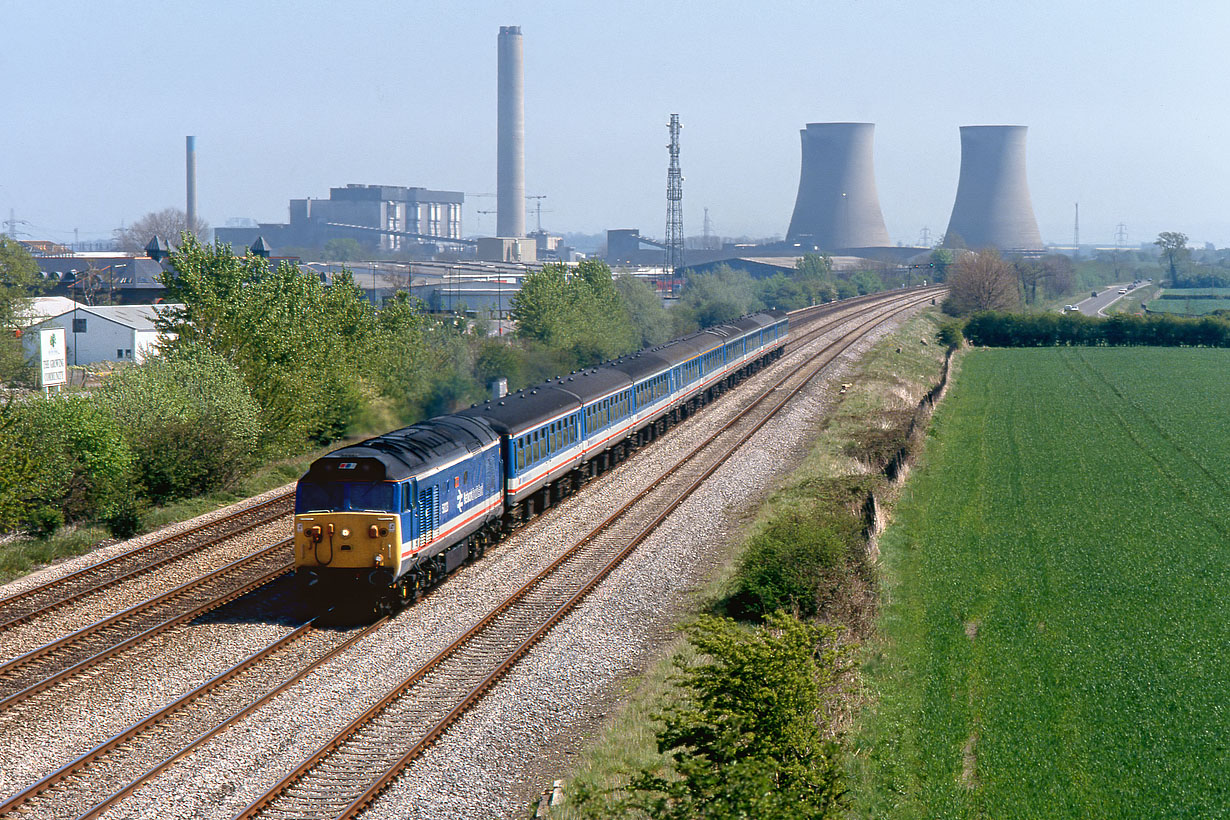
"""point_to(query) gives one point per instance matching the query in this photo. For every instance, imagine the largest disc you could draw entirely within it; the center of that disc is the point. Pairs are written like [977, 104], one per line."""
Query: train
[379, 522]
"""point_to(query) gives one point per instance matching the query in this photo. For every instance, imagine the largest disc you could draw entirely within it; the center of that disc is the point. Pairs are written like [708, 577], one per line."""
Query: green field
[1188, 307]
[1056, 637]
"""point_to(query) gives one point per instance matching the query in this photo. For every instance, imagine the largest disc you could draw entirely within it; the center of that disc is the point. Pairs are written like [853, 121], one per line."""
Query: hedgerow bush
[190, 421]
[1049, 330]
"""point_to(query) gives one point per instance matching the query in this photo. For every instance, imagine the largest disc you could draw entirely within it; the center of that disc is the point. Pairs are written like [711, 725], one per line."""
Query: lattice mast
[674, 204]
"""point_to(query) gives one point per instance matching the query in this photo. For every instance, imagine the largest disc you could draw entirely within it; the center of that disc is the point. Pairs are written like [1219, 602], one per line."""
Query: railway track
[46, 665]
[348, 772]
[90, 784]
[40, 600]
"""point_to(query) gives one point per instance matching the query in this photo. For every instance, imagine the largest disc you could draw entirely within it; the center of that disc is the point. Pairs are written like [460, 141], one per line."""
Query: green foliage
[1175, 252]
[191, 423]
[745, 741]
[941, 259]
[951, 334]
[1049, 329]
[302, 349]
[579, 312]
[1056, 624]
[19, 280]
[712, 298]
[62, 453]
[343, 250]
[785, 563]
[981, 281]
[645, 309]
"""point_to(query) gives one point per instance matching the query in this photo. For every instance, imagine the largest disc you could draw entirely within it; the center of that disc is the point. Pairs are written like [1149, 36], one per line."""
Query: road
[1094, 305]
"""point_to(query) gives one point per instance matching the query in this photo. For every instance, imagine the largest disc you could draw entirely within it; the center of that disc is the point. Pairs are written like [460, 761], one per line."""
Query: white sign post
[54, 366]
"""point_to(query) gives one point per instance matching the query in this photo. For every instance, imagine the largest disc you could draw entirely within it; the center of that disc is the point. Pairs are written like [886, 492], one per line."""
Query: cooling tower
[993, 208]
[510, 137]
[837, 206]
[190, 161]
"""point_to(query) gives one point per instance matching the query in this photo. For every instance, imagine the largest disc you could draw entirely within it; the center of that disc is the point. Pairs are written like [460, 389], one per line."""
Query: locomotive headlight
[379, 559]
[345, 533]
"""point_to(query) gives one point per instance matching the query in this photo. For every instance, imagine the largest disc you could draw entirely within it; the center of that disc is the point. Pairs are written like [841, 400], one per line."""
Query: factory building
[387, 218]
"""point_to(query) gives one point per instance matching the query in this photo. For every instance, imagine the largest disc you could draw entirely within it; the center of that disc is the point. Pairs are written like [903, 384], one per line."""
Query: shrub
[43, 521]
[190, 421]
[951, 334]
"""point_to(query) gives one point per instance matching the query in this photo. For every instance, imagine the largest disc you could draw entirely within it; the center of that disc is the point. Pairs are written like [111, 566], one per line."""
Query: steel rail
[112, 563]
[475, 693]
[68, 641]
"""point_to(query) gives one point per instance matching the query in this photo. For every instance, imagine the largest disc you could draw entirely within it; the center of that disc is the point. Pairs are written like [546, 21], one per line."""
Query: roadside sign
[51, 347]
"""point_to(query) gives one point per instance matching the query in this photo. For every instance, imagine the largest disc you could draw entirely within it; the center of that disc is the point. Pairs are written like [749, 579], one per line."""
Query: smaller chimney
[191, 162]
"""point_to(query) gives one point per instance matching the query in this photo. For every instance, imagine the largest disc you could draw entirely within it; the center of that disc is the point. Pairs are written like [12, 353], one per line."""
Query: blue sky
[1126, 104]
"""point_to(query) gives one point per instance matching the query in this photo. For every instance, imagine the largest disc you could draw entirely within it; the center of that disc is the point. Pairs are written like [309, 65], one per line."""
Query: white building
[116, 333]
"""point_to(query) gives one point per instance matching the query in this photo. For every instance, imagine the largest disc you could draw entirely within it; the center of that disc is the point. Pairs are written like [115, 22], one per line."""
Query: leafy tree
[168, 223]
[981, 281]
[745, 741]
[1174, 250]
[867, 282]
[580, 312]
[189, 419]
[303, 349]
[343, 250]
[645, 309]
[814, 266]
[19, 280]
[941, 258]
[79, 470]
[712, 298]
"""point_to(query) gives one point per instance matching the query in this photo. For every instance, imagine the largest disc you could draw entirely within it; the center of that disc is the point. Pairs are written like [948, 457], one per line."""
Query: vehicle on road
[1122, 290]
[1094, 293]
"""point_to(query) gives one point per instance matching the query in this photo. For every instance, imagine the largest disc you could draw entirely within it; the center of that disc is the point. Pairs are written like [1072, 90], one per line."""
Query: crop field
[1056, 637]
[1188, 307]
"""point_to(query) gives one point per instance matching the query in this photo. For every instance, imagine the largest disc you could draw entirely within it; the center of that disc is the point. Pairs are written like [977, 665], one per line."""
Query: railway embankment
[804, 565]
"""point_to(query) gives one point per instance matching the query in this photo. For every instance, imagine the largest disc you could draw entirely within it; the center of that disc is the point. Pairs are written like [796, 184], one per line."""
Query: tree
[941, 259]
[579, 311]
[19, 280]
[168, 223]
[981, 281]
[1174, 250]
[645, 309]
[745, 741]
[343, 250]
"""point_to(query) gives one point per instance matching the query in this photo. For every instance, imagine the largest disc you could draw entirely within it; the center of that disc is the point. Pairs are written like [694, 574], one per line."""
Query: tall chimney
[837, 206]
[993, 208]
[191, 162]
[510, 136]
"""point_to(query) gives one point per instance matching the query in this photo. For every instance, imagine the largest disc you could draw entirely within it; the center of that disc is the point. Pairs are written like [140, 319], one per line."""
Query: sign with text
[51, 344]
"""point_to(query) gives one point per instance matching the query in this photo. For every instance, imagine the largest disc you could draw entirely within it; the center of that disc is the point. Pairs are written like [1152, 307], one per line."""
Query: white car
[1122, 290]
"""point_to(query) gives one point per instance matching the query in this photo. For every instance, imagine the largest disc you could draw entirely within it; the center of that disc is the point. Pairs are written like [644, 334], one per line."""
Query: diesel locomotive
[377, 523]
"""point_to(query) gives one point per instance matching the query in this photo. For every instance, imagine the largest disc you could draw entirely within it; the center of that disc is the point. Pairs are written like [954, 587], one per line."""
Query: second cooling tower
[837, 206]
[993, 208]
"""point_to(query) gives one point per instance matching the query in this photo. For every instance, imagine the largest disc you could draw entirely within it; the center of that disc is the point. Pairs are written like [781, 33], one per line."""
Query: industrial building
[993, 208]
[386, 218]
[119, 333]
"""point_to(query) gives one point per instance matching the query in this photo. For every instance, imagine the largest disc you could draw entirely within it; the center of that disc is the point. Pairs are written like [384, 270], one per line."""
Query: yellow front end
[348, 540]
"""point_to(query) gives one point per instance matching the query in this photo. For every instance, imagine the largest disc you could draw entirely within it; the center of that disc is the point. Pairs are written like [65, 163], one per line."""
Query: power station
[837, 206]
[993, 208]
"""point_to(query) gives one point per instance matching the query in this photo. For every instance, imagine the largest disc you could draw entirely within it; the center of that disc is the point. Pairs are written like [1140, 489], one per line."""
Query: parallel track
[346, 774]
[40, 600]
[46, 665]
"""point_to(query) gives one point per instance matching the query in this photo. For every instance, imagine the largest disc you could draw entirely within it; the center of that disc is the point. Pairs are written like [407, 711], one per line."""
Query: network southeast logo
[52, 341]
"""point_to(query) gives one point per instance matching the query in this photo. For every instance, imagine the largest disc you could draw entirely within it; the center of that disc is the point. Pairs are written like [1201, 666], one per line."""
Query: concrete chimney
[837, 206]
[191, 163]
[510, 137]
[993, 208]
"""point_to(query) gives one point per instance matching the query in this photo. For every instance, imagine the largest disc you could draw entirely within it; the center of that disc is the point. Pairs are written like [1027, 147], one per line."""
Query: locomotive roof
[525, 409]
[403, 453]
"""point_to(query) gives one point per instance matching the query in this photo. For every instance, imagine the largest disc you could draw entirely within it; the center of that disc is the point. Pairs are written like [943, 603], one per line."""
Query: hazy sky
[1126, 102]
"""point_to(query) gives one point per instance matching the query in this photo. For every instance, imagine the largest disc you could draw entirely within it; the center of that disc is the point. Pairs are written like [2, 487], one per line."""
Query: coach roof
[403, 453]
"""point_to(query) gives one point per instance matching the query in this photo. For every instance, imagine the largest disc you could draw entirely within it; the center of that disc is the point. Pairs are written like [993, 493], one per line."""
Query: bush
[746, 739]
[786, 562]
[951, 334]
[189, 420]
[1048, 330]
[63, 453]
[43, 521]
